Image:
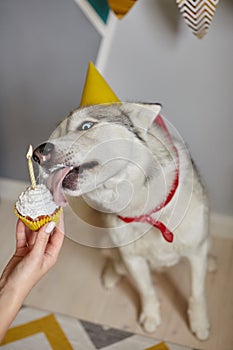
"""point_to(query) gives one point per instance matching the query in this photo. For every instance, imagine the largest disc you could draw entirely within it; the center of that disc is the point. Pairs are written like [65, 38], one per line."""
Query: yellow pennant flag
[96, 90]
[121, 7]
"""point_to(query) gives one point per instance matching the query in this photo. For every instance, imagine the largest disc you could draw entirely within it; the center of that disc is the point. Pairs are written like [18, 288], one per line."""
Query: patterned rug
[39, 330]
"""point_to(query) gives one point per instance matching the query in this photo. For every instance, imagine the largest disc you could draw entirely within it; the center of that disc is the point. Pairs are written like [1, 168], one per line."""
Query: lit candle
[30, 167]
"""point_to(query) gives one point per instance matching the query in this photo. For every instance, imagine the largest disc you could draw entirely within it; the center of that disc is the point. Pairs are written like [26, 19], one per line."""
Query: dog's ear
[142, 115]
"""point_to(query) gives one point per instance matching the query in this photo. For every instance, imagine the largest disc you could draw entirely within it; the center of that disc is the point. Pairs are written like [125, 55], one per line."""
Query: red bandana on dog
[147, 218]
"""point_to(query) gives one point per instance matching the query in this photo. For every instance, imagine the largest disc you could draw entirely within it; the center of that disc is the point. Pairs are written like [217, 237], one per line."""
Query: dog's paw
[150, 321]
[198, 320]
[201, 331]
[110, 277]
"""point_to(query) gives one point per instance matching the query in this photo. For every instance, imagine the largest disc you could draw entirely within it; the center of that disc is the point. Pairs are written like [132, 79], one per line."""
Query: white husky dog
[123, 160]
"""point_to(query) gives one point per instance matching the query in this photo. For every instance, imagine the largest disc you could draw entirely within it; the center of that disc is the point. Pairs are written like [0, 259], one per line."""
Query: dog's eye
[86, 125]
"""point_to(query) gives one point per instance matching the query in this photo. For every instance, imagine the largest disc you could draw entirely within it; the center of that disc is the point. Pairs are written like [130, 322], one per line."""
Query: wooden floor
[73, 287]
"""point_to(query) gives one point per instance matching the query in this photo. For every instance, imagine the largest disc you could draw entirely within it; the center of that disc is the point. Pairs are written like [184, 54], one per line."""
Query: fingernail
[49, 228]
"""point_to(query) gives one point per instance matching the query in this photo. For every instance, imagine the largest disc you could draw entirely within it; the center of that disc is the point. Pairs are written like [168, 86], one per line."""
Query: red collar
[167, 234]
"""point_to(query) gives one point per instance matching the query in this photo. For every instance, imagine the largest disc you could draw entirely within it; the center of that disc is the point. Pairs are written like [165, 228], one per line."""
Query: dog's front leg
[114, 267]
[197, 311]
[139, 270]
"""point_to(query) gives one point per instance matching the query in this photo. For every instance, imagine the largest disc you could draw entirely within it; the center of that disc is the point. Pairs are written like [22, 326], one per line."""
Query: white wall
[155, 57]
[45, 47]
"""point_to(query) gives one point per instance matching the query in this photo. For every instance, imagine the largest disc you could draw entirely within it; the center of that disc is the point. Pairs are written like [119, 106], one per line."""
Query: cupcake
[35, 207]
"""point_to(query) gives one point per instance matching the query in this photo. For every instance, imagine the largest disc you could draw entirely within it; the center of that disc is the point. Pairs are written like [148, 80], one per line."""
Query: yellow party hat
[96, 90]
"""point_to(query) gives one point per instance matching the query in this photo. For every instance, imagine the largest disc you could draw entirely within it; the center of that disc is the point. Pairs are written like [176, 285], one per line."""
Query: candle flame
[30, 151]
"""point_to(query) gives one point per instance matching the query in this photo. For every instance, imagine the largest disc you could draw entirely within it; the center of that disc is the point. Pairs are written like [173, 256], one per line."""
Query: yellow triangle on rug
[160, 346]
[47, 325]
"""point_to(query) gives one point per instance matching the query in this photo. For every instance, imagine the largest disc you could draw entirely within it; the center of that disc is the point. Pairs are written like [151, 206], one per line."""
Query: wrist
[10, 290]
[9, 296]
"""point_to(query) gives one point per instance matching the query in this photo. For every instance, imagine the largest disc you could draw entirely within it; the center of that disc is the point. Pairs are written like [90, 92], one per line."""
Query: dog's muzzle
[62, 176]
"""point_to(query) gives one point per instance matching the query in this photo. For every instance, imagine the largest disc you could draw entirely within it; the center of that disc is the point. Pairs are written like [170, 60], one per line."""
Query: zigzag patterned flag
[198, 14]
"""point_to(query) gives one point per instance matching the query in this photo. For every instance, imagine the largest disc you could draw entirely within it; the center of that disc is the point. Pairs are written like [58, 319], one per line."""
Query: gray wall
[155, 57]
[45, 46]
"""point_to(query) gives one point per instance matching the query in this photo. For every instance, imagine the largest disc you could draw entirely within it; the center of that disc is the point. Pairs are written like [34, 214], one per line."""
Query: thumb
[43, 238]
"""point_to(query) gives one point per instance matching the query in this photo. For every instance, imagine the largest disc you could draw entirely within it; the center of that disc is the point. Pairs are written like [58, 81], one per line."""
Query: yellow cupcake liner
[36, 224]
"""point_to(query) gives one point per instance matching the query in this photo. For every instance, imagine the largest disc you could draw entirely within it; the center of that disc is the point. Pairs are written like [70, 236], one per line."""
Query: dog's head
[92, 145]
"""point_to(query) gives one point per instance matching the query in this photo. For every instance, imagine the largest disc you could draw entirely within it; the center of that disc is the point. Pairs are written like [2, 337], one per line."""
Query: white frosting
[36, 202]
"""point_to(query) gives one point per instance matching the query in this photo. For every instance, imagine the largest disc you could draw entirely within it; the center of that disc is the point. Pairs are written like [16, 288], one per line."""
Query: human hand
[35, 254]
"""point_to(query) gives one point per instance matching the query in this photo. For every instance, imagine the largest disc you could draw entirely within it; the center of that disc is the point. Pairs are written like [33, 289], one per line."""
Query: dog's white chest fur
[154, 249]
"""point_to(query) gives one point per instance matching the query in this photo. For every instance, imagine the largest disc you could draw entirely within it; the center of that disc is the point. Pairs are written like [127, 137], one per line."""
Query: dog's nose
[43, 153]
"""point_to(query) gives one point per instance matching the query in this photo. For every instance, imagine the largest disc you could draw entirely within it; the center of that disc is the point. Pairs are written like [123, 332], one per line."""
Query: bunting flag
[121, 7]
[198, 14]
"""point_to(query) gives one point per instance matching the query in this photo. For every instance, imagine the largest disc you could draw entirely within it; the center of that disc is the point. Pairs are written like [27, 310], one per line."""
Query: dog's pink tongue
[54, 184]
